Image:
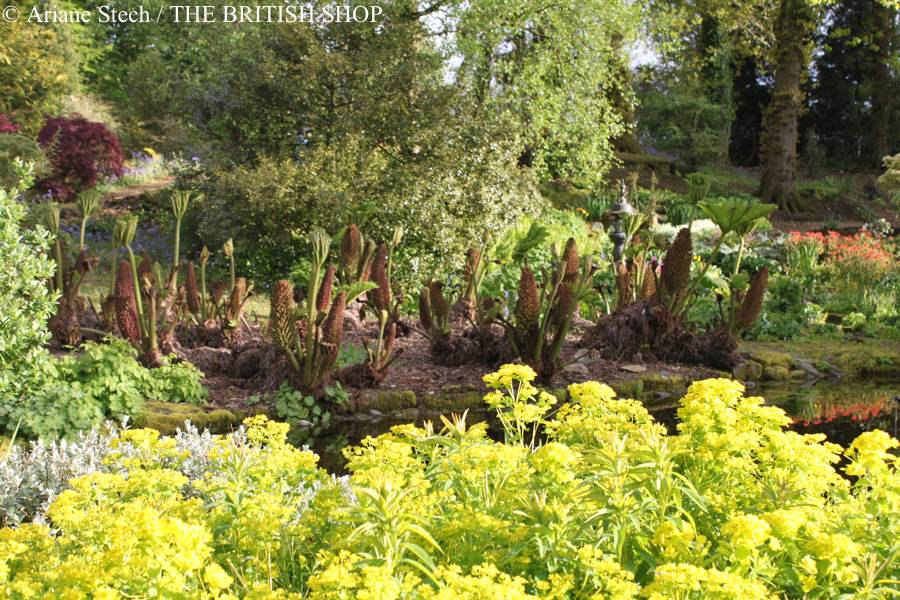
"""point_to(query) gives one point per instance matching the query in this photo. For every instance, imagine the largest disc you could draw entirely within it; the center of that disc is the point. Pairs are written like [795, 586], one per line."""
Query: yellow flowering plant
[521, 407]
[599, 501]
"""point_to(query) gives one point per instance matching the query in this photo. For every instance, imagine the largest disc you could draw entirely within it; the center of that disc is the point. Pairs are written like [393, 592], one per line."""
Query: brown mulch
[228, 392]
[415, 370]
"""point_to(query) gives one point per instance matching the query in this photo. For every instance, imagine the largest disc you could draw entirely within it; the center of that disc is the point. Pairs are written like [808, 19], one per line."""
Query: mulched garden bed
[254, 367]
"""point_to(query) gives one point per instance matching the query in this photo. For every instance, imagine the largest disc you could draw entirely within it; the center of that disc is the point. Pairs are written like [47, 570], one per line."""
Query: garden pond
[840, 409]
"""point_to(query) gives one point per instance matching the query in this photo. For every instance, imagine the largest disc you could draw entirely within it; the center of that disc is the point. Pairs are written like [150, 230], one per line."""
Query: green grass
[726, 179]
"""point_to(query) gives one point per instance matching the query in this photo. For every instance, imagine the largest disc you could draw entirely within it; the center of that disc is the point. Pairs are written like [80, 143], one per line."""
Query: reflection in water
[840, 410]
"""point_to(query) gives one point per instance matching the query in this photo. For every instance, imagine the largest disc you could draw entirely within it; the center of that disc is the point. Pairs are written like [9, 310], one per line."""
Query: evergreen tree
[854, 94]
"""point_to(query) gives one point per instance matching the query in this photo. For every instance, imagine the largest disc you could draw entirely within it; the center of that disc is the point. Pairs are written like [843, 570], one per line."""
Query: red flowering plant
[859, 260]
[7, 125]
[80, 152]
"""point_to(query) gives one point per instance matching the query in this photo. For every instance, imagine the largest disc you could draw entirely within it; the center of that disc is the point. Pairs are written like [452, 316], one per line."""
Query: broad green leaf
[738, 215]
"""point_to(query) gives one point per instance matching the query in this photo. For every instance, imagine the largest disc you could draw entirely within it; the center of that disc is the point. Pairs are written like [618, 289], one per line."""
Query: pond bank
[837, 387]
[848, 358]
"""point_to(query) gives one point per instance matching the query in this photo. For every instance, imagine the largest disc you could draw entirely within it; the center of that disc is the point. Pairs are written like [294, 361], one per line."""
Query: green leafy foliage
[531, 242]
[26, 268]
[532, 49]
[680, 210]
[597, 203]
[15, 146]
[292, 405]
[677, 115]
[27, 303]
[269, 208]
[112, 374]
[350, 354]
[890, 179]
[737, 214]
[37, 70]
[179, 382]
[787, 312]
[829, 276]
[105, 380]
[307, 417]
[434, 160]
[853, 321]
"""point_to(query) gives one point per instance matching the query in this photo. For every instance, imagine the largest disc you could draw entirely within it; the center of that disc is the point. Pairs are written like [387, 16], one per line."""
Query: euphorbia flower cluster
[604, 504]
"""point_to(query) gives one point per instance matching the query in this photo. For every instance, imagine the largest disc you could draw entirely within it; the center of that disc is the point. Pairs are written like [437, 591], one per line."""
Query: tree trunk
[882, 96]
[778, 144]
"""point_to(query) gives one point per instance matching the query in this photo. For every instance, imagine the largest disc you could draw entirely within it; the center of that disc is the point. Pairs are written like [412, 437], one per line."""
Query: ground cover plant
[650, 303]
[590, 498]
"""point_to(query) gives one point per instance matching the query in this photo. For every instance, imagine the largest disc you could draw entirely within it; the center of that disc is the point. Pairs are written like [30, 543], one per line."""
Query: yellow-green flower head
[216, 578]
[556, 459]
[677, 539]
[747, 531]
[871, 451]
[785, 523]
[409, 430]
[176, 518]
[826, 546]
[484, 581]
[497, 399]
[527, 413]
[591, 392]
[507, 374]
[262, 430]
[689, 581]
[808, 565]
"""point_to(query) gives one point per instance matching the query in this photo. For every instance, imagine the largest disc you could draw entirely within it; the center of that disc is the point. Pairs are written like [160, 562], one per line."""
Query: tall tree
[559, 68]
[885, 88]
[751, 96]
[794, 27]
[35, 71]
[854, 92]
[685, 102]
[778, 145]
